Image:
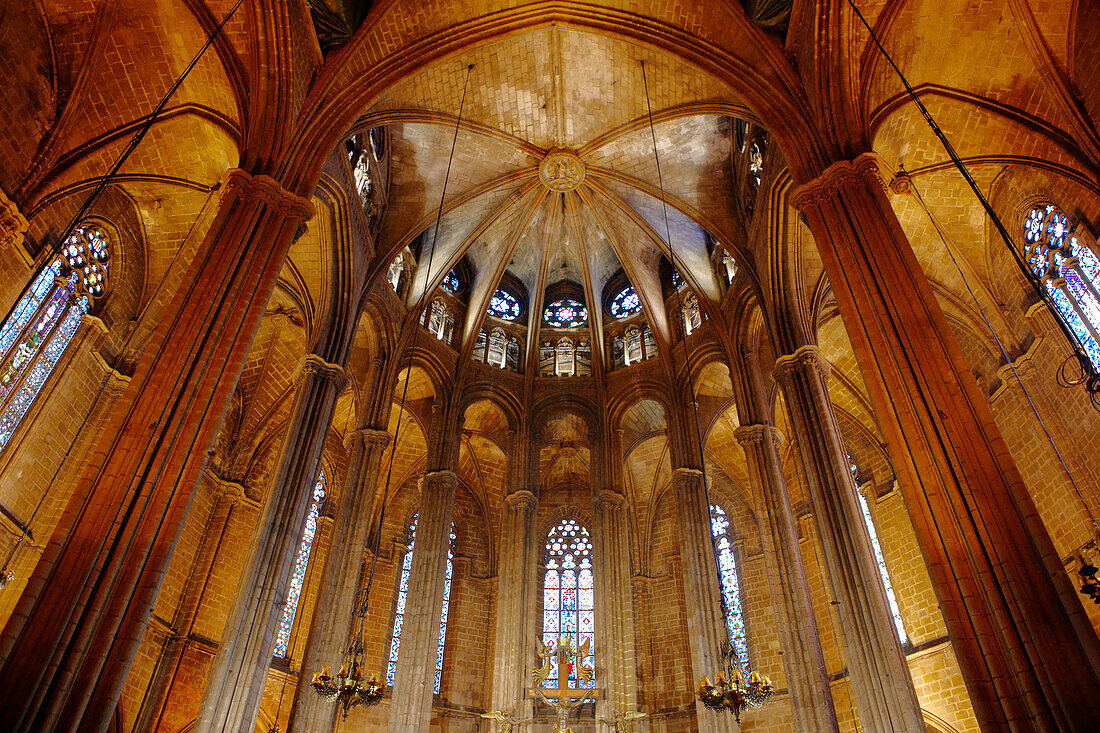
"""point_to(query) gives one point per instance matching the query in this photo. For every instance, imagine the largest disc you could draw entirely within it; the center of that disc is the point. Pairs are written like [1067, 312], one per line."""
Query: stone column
[67, 649]
[706, 625]
[340, 580]
[411, 706]
[615, 611]
[226, 496]
[881, 684]
[1026, 649]
[511, 656]
[237, 678]
[803, 660]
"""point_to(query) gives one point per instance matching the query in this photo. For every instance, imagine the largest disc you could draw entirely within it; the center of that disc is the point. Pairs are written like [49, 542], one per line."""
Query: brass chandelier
[348, 689]
[731, 691]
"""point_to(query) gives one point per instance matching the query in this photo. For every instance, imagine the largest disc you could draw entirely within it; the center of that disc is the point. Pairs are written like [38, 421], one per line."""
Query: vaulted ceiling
[559, 89]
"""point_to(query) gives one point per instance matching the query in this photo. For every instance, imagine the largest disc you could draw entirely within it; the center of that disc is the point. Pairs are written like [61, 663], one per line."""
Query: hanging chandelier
[348, 689]
[731, 691]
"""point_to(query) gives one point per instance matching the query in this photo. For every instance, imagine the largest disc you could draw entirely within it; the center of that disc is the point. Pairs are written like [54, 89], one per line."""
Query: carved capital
[439, 480]
[376, 438]
[266, 190]
[804, 356]
[608, 499]
[865, 169]
[753, 434]
[13, 225]
[228, 491]
[331, 373]
[522, 499]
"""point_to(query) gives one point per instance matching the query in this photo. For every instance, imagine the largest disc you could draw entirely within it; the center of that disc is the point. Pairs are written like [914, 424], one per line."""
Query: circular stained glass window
[626, 303]
[565, 313]
[451, 283]
[504, 305]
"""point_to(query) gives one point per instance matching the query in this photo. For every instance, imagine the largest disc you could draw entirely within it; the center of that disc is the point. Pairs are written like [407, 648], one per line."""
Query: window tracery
[633, 345]
[45, 319]
[1069, 271]
[504, 305]
[564, 363]
[731, 587]
[568, 596]
[301, 563]
[402, 598]
[626, 303]
[566, 313]
[452, 283]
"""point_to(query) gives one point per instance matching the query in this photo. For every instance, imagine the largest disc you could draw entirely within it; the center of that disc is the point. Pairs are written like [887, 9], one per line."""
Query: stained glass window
[504, 305]
[731, 589]
[569, 596]
[301, 563]
[891, 599]
[1070, 271]
[44, 320]
[402, 597]
[451, 282]
[626, 303]
[566, 313]
[677, 279]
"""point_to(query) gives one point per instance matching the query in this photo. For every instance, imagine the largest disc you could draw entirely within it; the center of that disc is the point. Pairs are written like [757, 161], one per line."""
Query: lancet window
[498, 343]
[568, 597]
[397, 271]
[731, 586]
[693, 317]
[633, 345]
[891, 598]
[39, 329]
[441, 322]
[301, 563]
[402, 598]
[564, 365]
[1070, 272]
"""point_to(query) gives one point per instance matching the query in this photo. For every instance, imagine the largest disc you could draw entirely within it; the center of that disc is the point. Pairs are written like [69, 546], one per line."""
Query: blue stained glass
[891, 599]
[1046, 230]
[568, 595]
[626, 303]
[677, 279]
[503, 305]
[301, 563]
[44, 321]
[402, 597]
[727, 577]
[451, 282]
[566, 313]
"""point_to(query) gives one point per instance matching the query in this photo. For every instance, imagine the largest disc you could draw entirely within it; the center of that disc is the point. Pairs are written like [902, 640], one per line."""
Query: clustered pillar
[510, 656]
[331, 625]
[236, 683]
[803, 660]
[706, 626]
[1027, 651]
[615, 612]
[68, 647]
[411, 706]
[881, 684]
